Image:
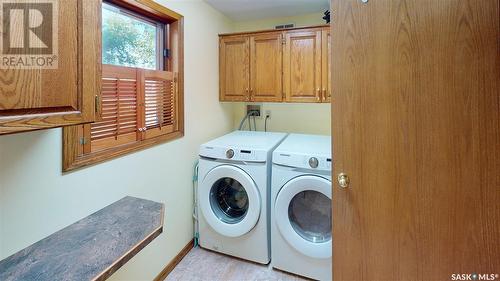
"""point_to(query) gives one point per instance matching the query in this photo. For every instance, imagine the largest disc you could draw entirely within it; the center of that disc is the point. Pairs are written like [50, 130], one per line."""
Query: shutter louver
[118, 124]
[159, 103]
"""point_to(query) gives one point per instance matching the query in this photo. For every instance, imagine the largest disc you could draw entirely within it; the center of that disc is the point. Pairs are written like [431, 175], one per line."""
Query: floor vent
[284, 26]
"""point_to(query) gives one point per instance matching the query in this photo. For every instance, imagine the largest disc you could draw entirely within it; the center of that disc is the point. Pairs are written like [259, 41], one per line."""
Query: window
[141, 99]
[129, 39]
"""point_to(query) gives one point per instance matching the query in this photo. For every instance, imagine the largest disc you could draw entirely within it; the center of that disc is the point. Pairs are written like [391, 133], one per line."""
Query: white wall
[37, 200]
[297, 118]
[289, 117]
[299, 21]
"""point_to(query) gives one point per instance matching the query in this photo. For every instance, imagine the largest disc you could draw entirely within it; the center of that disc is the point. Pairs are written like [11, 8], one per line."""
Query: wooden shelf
[92, 248]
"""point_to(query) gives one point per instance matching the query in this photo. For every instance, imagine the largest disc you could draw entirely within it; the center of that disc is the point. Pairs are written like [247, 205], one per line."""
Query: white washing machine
[234, 194]
[301, 221]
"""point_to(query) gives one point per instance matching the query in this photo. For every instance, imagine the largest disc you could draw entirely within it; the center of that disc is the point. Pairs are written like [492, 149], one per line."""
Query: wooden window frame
[73, 146]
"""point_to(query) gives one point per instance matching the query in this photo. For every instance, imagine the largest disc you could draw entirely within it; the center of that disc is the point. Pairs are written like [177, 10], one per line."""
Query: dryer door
[229, 201]
[303, 211]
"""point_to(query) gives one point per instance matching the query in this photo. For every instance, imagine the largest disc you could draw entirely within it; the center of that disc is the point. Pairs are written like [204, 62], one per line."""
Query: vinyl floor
[200, 264]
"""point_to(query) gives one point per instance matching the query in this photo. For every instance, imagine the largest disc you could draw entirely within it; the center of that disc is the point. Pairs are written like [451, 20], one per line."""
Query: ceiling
[243, 10]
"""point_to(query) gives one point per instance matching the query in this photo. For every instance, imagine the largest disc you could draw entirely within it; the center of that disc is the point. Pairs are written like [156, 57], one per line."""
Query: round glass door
[229, 200]
[303, 215]
[310, 214]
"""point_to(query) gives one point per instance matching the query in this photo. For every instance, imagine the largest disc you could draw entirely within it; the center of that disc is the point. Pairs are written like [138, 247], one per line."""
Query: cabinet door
[326, 71]
[234, 68]
[266, 64]
[52, 76]
[302, 66]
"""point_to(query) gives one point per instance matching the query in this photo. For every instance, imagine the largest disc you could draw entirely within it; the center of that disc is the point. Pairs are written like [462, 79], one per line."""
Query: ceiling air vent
[284, 26]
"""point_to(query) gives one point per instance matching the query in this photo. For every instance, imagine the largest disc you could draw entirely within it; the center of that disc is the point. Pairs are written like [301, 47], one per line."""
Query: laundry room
[249, 140]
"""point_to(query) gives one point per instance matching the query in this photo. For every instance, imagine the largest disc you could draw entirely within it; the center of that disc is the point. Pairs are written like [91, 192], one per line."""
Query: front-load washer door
[229, 201]
[303, 214]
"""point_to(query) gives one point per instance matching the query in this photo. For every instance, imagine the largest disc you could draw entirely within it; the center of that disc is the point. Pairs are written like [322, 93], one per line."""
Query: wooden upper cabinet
[58, 81]
[291, 65]
[266, 64]
[326, 62]
[234, 68]
[302, 65]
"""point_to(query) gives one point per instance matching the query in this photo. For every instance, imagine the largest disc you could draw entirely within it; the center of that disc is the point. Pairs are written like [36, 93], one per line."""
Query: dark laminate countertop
[92, 248]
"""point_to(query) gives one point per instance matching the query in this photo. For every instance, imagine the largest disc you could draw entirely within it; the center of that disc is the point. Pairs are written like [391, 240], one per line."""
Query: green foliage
[127, 41]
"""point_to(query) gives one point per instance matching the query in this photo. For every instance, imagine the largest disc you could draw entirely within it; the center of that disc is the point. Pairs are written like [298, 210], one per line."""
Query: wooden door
[326, 65]
[234, 68]
[302, 65]
[43, 85]
[415, 114]
[266, 64]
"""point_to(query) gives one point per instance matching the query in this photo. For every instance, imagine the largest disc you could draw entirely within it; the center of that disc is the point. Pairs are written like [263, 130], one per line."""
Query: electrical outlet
[255, 108]
[268, 113]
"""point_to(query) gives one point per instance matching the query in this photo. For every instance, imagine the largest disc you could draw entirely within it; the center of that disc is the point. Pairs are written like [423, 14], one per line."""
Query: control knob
[313, 162]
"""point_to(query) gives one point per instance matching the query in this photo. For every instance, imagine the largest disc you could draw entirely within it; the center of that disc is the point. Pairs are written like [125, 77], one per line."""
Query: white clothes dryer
[301, 221]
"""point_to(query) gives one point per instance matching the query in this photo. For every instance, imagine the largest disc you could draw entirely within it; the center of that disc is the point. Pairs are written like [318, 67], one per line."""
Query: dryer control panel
[315, 162]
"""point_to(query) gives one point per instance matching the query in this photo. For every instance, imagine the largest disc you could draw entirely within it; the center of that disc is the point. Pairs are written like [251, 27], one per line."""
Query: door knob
[343, 180]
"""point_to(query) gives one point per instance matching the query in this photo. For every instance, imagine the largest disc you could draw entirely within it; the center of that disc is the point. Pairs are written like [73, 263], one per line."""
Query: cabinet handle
[318, 94]
[96, 104]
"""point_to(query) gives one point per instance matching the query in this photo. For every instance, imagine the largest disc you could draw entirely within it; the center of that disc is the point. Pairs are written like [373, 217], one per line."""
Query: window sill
[112, 153]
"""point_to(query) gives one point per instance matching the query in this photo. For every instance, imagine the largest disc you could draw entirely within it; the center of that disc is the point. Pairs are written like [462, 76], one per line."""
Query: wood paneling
[302, 66]
[44, 98]
[416, 126]
[266, 64]
[234, 68]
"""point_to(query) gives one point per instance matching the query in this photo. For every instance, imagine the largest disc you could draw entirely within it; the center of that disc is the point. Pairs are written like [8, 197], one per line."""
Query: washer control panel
[233, 153]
